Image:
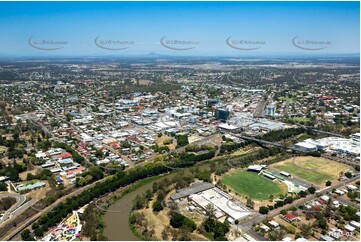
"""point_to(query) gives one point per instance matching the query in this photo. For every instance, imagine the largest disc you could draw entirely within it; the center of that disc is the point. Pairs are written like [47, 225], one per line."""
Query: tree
[328, 183]
[155, 186]
[99, 153]
[139, 202]
[3, 187]
[311, 190]
[157, 206]
[283, 211]
[210, 210]
[183, 235]
[165, 233]
[263, 210]
[189, 225]
[250, 203]
[82, 181]
[204, 175]
[25, 235]
[291, 229]
[177, 220]
[126, 145]
[279, 204]
[302, 194]
[275, 235]
[96, 172]
[306, 230]
[288, 199]
[322, 223]
[182, 140]
[215, 228]
[148, 194]
[348, 174]
[6, 203]
[39, 232]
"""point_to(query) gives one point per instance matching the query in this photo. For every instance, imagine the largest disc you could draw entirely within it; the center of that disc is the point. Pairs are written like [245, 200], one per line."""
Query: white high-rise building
[270, 110]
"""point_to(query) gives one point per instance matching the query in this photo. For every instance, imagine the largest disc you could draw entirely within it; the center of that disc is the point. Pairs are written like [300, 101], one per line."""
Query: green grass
[313, 176]
[289, 99]
[299, 119]
[242, 152]
[252, 185]
[29, 182]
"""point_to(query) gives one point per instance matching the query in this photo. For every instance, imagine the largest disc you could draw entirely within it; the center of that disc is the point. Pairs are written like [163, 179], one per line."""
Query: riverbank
[119, 194]
[121, 207]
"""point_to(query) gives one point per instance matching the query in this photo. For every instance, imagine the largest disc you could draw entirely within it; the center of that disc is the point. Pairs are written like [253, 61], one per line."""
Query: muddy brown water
[117, 217]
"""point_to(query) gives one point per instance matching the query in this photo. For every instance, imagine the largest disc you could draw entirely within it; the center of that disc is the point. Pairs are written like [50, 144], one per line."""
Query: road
[352, 163]
[259, 110]
[15, 231]
[260, 141]
[287, 106]
[20, 210]
[20, 199]
[322, 131]
[294, 78]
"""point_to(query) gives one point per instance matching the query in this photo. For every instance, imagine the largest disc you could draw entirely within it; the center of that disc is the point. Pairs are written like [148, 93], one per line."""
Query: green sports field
[252, 185]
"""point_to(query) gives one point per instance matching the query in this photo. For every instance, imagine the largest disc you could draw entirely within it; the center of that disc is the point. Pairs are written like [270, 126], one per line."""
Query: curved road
[20, 200]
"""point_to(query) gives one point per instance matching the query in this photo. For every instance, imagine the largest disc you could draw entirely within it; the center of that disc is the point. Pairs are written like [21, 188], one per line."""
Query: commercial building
[270, 110]
[47, 165]
[192, 189]
[255, 168]
[355, 138]
[30, 187]
[306, 147]
[212, 102]
[266, 125]
[228, 127]
[221, 114]
[203, 194]
[332, 144]
[223, 204]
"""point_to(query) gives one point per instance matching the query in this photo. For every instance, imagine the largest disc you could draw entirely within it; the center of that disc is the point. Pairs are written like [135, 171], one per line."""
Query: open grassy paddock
[316, 170]
[252, 185]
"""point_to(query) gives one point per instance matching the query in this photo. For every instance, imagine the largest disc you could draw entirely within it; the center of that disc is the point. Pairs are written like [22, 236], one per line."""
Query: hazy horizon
[42, 29]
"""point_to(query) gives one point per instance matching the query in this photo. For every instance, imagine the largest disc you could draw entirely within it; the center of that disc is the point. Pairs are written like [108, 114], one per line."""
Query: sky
[201, 28]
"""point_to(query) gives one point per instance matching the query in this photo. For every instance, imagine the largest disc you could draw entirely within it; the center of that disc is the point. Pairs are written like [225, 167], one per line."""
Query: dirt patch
[313, 169]
[40, 193]
[169, 142]
[24, 174]
[160, 220]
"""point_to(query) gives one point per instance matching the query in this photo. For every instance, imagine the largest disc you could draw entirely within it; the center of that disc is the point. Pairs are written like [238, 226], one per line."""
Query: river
[117, 217]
